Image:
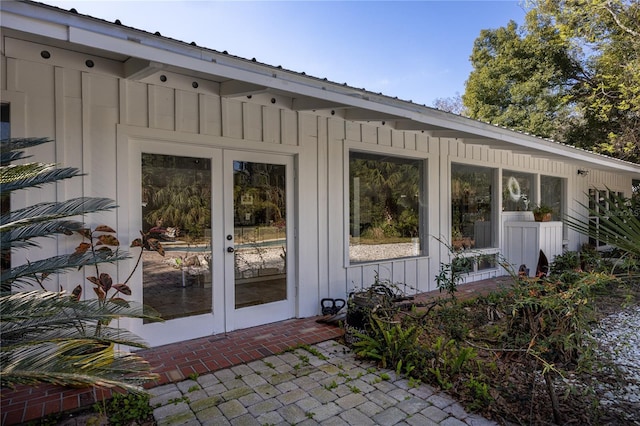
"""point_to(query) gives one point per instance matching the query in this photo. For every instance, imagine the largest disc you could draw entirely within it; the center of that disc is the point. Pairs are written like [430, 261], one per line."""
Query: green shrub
[123, 409]
[390, 343]
[567, 261]
[552, 317]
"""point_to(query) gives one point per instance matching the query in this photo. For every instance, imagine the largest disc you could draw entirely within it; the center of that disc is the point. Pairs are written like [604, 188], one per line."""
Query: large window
[385, 199]
[517, 191]
[552, 194]
[176, 209]
[471, 207]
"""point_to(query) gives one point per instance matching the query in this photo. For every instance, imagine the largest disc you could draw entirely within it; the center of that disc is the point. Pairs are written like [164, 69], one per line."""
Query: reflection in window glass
[551, 194]
[486, 261]
[517, 191]
[260, 217]
[385, 196]
[471, 209]
[176, 209]
[5, 128]
[5, 202]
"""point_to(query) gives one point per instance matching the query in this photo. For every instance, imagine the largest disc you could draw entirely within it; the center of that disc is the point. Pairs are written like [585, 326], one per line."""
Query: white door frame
[270, 312]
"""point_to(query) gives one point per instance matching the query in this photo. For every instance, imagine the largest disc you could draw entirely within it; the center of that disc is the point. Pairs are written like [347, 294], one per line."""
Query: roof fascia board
[33, 25]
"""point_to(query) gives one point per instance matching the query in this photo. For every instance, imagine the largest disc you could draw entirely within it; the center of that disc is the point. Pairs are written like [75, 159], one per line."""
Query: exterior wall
[75, 105]
[94, 114]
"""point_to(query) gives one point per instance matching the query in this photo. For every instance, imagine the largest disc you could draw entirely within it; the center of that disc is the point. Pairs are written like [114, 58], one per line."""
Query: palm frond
[29, 273]
[10, 149]
[50, 337]
[33, 175]
[618, 225]
[40, 316]
[70, 365]
[56, 343]
[21, 237]
[54, 210]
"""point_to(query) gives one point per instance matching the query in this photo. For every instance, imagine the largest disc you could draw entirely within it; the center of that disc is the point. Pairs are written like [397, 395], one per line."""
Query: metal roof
[144, 54]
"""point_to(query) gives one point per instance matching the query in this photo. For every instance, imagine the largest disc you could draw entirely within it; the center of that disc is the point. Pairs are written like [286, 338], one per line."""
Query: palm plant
[47, 336]
[617, 224]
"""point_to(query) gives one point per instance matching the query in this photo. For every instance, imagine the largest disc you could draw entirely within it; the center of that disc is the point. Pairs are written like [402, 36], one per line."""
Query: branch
[608, 8]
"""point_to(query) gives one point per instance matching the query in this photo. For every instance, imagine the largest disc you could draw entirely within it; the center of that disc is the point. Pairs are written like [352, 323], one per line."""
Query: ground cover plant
[522, 354]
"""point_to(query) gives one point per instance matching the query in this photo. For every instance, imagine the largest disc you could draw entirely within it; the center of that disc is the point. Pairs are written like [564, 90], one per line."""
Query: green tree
[608, 31]
[521, 78]
[570, 73]
[47, 336]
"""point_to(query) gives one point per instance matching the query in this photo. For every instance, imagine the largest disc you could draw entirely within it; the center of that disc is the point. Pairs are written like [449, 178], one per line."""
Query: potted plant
[542, 213]
[363, 304]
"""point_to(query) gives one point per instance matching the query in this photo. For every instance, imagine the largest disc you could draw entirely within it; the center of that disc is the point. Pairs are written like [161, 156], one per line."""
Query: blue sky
[415, 50]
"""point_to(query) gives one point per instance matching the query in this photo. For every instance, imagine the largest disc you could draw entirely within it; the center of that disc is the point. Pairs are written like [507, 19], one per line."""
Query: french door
[225, 219]
[258, 245]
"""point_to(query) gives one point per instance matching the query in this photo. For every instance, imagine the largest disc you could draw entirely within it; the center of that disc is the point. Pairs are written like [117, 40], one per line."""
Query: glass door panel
[259, 233]
[176, 209]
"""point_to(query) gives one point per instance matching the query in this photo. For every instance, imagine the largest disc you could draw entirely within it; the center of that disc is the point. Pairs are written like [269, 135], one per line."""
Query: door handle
[230, 250]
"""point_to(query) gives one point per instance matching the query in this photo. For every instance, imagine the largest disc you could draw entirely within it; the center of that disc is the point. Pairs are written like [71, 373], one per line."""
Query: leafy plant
[37, 324]
[567, 261]
[448, 360]
[123, 409]
[362, 304]
[451, 274]
[480, 393]
[331, 385]
[541, 209]
[390, 344]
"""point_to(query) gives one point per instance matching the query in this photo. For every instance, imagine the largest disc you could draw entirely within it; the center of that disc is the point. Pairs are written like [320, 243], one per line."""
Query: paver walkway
[318, 385]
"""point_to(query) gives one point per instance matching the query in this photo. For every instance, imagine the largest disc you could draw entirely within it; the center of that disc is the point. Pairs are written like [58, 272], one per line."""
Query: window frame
[423, 219]
[604, 204]
[496, 205]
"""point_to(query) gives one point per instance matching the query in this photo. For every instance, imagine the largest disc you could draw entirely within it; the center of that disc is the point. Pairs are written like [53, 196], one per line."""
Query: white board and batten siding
[94, 113]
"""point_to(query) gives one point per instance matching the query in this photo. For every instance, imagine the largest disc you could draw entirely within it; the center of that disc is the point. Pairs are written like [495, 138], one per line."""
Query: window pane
[5, 127]
[487, 261]
[517, 191]
[551, 194]
[176, 209]
[384, 207]
[471, 207]
[5, 201]
[260, 214]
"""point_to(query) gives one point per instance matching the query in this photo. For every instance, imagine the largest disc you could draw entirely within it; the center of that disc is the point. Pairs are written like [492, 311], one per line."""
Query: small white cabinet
[524, 240]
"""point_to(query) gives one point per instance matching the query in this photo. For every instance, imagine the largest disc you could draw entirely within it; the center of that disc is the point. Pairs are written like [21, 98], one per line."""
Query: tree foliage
[451, 104]
[569, 73]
